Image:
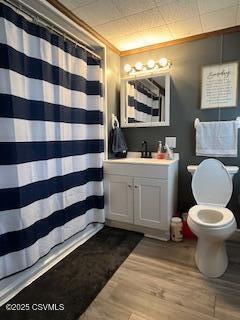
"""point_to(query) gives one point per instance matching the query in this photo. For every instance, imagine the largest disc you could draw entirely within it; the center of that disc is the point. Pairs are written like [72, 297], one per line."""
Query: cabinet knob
[135, 187]
[129, 186]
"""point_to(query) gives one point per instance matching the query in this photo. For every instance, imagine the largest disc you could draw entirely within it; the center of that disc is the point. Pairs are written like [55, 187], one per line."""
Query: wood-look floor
[159, 281]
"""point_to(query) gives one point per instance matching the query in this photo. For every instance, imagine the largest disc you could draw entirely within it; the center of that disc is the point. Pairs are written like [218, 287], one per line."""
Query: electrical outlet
[171, 142]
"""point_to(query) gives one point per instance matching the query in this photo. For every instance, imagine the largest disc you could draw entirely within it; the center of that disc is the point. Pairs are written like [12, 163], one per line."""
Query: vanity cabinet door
[150, 202]
[119, 198]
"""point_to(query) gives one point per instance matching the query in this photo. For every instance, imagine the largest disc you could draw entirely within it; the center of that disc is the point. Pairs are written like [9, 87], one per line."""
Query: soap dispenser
[160, 153]
[170, 154]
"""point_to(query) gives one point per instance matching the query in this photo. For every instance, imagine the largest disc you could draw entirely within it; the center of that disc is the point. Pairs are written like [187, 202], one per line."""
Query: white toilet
[210, 220]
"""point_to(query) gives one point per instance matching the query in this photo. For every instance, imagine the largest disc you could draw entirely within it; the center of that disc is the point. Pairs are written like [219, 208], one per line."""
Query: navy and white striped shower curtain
[51, 141]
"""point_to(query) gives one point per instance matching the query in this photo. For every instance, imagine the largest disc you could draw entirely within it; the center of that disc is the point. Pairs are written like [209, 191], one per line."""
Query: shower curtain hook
[18, 7]
[52, 28]
[36, 19]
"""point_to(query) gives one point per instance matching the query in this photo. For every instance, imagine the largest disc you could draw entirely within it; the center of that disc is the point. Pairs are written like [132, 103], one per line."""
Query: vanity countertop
[147, 161]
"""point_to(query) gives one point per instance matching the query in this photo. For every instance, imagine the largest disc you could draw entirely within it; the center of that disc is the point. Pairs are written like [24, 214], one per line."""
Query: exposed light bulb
[127, 68]
[163, 62]
[151, 64]
[139, 66]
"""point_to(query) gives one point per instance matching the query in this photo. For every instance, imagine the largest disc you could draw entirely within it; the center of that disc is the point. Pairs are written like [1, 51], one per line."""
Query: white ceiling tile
[128, 7]
[186, 28]
[114, 28]
[132, 24]
[156, 35]
[146, 20]
[98, 12]
[219, 19]
[127, 43]
[71, 4]
[163, 2]
[213, 5]
[179, 10]
[141, 39]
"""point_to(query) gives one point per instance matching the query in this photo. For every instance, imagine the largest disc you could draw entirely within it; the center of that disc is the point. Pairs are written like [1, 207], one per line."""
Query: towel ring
[115, 122]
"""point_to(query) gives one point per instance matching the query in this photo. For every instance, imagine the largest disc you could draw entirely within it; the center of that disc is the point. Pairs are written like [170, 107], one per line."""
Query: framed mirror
[145, 100]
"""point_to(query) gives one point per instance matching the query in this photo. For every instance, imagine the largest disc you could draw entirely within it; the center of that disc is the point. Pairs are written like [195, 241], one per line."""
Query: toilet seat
[212, 184]
[212, 190]
[211, 216]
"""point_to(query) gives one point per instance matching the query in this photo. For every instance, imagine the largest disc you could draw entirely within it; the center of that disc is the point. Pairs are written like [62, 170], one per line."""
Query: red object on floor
[187, 233]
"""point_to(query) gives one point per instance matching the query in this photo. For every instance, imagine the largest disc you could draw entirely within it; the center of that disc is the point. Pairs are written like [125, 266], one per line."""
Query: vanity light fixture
[162, 63]
[151, 64]
[138, 66]
[127, 68]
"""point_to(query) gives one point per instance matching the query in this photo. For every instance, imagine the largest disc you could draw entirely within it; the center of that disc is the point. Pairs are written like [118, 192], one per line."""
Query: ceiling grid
[131, 24]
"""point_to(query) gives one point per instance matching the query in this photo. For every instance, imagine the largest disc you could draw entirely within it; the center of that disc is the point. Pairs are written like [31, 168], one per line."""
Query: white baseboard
[12, 285]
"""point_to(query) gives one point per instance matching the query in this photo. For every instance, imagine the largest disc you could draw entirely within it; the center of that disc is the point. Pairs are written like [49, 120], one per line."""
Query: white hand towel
[217, 139]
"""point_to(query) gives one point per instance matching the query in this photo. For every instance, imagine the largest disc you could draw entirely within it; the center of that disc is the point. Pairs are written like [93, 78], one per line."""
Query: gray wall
[185, 107]
[113, 86]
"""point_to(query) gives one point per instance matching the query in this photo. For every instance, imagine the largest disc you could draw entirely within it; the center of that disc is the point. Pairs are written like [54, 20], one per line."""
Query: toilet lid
[211, 183]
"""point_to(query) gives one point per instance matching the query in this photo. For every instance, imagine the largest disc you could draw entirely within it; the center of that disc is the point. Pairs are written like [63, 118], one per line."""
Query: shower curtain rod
[38, 18]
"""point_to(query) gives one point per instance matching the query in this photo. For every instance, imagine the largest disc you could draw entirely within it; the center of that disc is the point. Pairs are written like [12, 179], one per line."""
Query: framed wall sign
[219, 86]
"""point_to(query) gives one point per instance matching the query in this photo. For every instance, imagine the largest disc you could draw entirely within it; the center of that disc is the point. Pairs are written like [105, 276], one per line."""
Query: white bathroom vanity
[141, 194]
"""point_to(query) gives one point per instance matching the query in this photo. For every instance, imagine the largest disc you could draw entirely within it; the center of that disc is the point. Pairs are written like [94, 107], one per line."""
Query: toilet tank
[232, 170]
